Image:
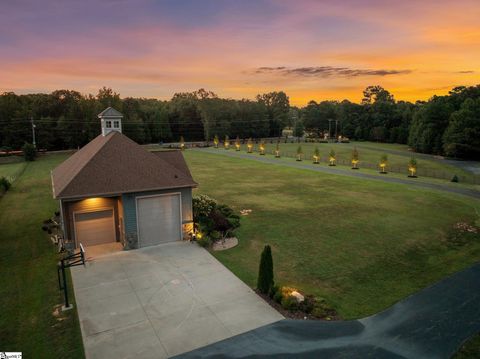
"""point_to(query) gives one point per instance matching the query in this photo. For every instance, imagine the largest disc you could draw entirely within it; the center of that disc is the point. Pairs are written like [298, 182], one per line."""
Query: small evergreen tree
[29, 152]
[316, 155]
[249, 145]
[331, 157]
[412, 167]
[182, 143]
[299, 153]
[383, 163]
[265, 271]
[354, 157]
[226, 144]
[237, 144]
[277, 149]
[262, 147]
[215, 141]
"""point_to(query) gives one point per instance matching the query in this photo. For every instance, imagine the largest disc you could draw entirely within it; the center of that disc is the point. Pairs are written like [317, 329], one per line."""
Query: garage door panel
[159, 219]
[93, 228]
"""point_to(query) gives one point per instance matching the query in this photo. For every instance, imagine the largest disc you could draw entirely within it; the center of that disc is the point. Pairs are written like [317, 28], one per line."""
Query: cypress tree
[265, 271]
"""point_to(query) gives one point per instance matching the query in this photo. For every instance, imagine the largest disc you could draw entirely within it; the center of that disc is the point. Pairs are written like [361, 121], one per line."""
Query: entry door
[94, 228]
[159, 219]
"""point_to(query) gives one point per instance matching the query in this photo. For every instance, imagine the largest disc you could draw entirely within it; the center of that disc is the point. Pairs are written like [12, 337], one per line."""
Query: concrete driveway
[161, 301]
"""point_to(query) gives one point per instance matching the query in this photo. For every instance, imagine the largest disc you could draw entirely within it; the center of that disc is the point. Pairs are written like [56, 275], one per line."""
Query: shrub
[278, 296]
[308, 304]
[322, 310]
[289, 303]
[204, 242]
[265, 271]
[273, 291]
[455, 178]
[202, 207]
[29, 152]
[4, 184]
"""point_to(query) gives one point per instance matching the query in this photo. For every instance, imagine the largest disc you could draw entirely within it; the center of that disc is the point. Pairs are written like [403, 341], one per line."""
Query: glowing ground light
[354, 163]
[262, 149]
[316, 159]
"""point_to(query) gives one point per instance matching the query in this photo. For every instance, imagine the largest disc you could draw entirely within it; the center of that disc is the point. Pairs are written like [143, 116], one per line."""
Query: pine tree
[316, 155]
[215, 141]
[354, 158]
[265, 271]
[299, 153]
[331, 158]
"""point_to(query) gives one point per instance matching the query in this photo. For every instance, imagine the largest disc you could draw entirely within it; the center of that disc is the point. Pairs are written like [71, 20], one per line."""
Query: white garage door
[94, 228]
[159, 219]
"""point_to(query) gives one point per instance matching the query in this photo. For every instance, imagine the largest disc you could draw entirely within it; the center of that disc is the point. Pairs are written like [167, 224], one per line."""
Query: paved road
[344, 172]
[432, 323]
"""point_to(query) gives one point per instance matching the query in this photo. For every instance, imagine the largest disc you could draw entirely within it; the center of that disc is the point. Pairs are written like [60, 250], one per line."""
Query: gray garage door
[159, 219]
[94, 228]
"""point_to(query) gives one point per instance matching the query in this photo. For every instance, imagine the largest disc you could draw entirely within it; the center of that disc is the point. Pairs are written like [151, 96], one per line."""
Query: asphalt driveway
[161, 301]
[432, 323]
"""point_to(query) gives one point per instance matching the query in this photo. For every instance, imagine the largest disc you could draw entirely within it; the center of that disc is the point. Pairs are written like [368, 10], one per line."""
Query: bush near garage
[213, 221]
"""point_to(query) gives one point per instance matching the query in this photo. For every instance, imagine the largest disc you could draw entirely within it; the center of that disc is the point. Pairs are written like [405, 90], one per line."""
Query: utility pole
[33, 132]
[329, 129]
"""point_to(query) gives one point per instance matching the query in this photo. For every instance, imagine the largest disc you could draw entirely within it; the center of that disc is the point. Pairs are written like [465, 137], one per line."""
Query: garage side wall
[130, 213]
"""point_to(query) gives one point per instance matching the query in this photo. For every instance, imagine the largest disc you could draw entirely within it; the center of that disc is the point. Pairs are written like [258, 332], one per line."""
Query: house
[114, 190]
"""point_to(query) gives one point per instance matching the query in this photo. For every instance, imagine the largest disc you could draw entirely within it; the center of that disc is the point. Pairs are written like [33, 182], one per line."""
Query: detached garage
[113, 190]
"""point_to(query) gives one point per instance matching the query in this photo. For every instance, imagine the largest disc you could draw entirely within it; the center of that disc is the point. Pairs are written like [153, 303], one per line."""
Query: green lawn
[397, 162]
[12, 170]
[29, 297]
[362, 245]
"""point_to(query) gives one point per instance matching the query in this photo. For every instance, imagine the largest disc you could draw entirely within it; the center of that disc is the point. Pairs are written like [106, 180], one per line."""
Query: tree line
[445, 125]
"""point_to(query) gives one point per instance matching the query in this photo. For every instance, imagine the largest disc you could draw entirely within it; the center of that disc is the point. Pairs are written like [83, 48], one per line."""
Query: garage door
[159, 219]
[94, 228]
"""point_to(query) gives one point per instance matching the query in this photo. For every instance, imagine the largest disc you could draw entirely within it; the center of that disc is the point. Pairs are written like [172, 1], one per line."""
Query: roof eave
[110, 194]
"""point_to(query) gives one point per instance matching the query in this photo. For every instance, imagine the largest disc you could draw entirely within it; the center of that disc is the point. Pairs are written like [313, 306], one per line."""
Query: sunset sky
[312, 50]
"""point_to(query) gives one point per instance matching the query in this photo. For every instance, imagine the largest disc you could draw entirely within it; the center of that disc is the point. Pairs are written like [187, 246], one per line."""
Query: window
[108, 124]
[116, 124]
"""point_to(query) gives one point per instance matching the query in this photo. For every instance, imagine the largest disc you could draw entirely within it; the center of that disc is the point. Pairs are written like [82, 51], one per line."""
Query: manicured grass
[12, 170]
[29, 296]
[397, 162]
[362, 245]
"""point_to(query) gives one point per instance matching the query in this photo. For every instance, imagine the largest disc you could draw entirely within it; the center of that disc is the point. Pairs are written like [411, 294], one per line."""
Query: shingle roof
[115, 164]
[110, 112]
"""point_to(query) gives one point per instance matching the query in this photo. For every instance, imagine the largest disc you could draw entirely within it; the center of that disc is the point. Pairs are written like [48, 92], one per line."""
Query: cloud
[466, 72]
[327, 71]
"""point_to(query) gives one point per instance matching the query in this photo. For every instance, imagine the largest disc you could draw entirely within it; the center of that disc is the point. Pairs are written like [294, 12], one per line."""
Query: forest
[444, 125]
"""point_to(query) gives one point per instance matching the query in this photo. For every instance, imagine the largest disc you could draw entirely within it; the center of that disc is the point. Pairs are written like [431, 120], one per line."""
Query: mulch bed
[293, 314]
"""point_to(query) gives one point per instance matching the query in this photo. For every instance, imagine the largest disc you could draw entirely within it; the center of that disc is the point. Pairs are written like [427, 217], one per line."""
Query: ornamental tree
[265, 271]
[316, 155]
